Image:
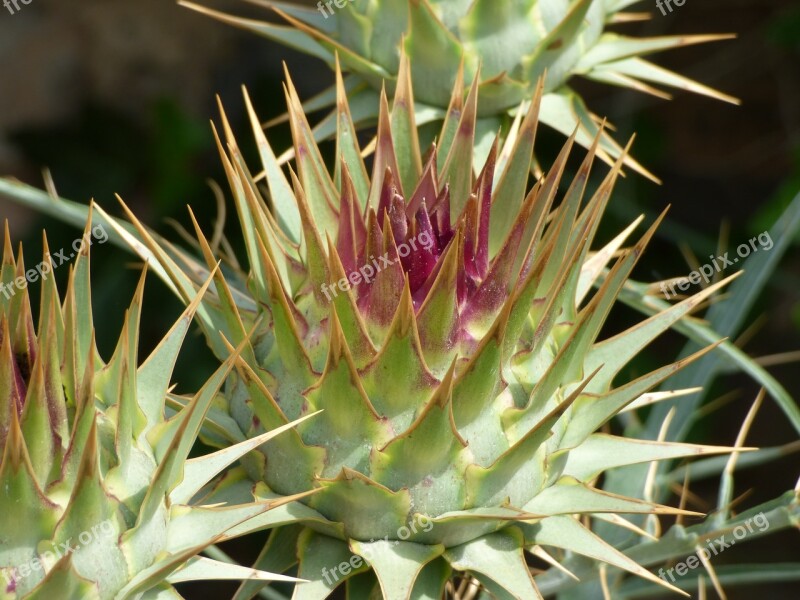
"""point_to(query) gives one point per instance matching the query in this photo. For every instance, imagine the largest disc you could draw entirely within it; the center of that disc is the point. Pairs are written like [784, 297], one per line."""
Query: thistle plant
[446, 317]
[511, 44]
[98, 499]
[462, 376]
[449, 324]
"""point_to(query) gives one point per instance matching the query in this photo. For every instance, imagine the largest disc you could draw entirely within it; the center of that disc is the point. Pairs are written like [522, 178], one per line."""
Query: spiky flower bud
[446, 324]
[506, 45]
[97, 495]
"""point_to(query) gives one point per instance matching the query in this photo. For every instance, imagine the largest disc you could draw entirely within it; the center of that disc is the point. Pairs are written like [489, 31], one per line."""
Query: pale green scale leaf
[614, 47]
[201, 568]
[601, 452]
[499, 557]
[170, 471]
[281, 193]
[319, 555]
[570, 496]
[64, 582]
[567, 533]
[273, 558]
[641, 69]
[164, 592]
[288, 36]
[199, 471]
[397, 564]
[190, 526]
[429, 41]
[431, 580]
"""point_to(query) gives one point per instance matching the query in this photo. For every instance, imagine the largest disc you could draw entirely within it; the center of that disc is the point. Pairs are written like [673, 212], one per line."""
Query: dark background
[115, 97]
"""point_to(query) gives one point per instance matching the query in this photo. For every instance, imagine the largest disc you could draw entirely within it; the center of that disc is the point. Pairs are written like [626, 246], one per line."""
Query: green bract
[511, 42]
[461, 375]
[95, 486]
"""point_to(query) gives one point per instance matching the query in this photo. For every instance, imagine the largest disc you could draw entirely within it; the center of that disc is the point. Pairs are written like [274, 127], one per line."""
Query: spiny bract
[447, 326]
[95, 485]
[511, 43]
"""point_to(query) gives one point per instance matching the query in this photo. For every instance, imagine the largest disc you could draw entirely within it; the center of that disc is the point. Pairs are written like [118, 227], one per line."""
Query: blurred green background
[115, 97]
